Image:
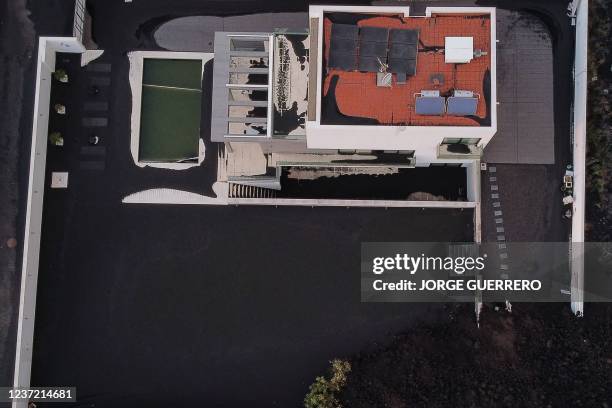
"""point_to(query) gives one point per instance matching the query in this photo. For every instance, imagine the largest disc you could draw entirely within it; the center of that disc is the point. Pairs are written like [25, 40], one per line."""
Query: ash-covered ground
[539, 355]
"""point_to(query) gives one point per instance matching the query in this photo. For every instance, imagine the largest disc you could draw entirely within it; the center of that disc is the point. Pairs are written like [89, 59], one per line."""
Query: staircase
[245, 191]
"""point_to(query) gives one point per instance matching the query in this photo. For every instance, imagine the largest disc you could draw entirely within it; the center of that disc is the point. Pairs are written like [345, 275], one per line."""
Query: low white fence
[78, 23]
[579, 152]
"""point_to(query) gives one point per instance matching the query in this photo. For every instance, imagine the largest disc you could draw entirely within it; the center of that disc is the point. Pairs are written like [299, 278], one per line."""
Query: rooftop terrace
[357, 91]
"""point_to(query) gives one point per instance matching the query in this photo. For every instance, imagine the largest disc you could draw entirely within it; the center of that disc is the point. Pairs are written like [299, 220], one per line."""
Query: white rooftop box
[458, 50]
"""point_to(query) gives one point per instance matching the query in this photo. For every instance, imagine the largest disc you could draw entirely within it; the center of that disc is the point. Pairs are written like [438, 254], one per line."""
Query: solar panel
[343, 47]
[401, 50]
[373, 49]
[404, 36]
[462, 106]
[373, 43]
[430, 106]
[344, 62]
[375, 34]
[397, 65]
[344, 31]
[369, 64]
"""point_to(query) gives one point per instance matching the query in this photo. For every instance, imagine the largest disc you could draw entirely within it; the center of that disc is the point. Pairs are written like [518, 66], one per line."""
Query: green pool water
[170, 110]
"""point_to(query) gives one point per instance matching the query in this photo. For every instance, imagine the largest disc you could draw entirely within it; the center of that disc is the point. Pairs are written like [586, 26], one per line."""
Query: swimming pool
[170, 110]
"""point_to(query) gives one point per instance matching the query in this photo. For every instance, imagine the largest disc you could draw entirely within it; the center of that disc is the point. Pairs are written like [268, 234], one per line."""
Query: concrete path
[525, 91]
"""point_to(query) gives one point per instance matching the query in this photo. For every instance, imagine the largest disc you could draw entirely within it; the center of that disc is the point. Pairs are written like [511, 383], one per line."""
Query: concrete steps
[221, 163]
[246, 191]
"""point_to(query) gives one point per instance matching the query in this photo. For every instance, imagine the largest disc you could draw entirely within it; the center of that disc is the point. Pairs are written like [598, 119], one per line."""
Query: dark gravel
[536, 356]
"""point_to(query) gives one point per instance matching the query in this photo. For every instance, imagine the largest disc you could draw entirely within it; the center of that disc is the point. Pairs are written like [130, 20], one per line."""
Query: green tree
[323, 392]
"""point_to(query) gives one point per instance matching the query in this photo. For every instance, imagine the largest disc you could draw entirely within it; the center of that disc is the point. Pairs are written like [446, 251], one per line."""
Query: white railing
[78, 23]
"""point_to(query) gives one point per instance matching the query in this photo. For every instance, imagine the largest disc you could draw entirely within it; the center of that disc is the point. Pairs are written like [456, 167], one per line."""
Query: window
[248, 95]
[247, 111]
[244, 44]
[247, 78]
[247, 129]
[248, 62]
[445, 164]
[465, 140]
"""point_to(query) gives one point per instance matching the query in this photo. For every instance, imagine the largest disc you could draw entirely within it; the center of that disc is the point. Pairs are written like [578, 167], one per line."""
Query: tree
[323, 392]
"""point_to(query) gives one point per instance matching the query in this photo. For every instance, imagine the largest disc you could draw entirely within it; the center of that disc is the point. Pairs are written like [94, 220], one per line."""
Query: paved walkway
[525, 91]
[530, 200]
[494, 207]
[95, 116]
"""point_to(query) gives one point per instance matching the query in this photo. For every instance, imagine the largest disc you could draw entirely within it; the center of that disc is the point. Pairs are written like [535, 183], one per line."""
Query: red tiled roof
[357, 93]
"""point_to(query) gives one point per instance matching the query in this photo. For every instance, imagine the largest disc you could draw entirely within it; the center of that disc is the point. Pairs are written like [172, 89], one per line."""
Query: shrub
[56, 139]
[60, 75]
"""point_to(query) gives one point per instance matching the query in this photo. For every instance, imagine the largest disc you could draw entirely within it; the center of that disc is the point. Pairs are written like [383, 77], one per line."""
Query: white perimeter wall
[47, 47]
[580, 126]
